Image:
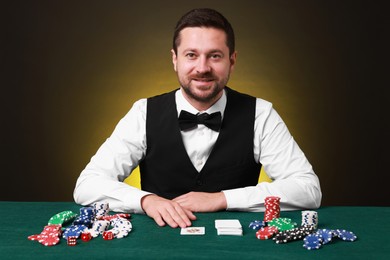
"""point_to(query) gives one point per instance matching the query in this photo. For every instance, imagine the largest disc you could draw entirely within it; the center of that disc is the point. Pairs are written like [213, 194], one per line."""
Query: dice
[86, 236]
[108, 235]
[72, 240]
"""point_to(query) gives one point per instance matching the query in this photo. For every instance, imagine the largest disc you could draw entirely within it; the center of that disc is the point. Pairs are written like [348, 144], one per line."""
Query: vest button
[199, 182]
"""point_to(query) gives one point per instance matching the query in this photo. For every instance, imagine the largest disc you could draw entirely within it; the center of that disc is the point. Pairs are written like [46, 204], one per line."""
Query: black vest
[167, 170]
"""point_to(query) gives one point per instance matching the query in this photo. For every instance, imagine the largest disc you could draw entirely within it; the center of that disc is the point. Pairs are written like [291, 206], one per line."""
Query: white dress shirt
[294, 180]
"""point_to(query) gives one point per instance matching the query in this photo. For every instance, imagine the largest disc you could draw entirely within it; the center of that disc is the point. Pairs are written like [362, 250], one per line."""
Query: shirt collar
[183, 104]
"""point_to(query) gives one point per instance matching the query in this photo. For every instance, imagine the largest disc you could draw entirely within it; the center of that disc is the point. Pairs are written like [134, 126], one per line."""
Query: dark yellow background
[72, 69]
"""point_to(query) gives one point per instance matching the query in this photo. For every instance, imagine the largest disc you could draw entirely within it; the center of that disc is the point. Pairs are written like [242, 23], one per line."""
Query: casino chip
[257, 224]
[281, 238]
[282, 224]
[118, 215]
[312, 242]
[49, 240]
[266, 232]
[345, 235]
[326, 235]
[62, 218]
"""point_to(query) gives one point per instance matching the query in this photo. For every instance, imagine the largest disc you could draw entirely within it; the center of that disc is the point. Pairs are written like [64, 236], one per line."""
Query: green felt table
[148, 241]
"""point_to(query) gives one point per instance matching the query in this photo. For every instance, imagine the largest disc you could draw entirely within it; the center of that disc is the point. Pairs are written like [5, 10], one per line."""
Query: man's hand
[165, 211]
[202, 201]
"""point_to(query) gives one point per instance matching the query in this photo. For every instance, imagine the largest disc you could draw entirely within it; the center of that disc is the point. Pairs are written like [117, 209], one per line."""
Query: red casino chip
[34, 237]
[266, 232]
[49, 240]
[272, 208]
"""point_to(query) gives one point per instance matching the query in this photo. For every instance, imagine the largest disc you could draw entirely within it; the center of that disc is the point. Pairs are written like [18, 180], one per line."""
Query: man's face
[203, 64]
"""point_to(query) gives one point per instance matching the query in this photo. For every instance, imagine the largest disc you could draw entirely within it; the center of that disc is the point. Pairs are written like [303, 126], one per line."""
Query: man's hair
[204, 17]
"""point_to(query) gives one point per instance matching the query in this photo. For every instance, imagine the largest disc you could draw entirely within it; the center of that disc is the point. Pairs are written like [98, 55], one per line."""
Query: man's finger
[158, 219]
[178, 216]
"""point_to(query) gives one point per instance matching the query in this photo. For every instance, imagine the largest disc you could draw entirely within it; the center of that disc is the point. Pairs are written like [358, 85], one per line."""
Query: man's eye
[216, 56]
[190, 55]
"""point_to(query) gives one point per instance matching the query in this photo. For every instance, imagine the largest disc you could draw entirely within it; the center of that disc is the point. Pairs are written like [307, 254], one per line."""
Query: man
[205, 166]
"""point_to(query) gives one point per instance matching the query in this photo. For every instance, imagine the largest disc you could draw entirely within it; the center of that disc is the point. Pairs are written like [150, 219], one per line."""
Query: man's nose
[203, 65]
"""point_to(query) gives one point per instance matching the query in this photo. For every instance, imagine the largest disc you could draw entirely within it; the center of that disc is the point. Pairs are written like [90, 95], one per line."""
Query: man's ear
[174, 59]
[233, 60]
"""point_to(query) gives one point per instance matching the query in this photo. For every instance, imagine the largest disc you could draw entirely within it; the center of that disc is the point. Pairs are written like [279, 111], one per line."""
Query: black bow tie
[188, 120]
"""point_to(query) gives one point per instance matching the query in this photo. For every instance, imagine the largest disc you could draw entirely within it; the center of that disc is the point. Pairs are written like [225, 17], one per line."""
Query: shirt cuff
[132, 202]
[234, 199]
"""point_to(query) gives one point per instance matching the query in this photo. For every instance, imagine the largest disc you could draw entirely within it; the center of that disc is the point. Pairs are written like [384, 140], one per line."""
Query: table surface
[148, 241]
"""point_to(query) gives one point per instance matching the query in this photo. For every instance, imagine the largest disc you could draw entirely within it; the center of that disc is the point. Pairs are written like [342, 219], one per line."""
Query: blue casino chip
[312, 242]
[326, 235]
[257, 224]
[345, 235]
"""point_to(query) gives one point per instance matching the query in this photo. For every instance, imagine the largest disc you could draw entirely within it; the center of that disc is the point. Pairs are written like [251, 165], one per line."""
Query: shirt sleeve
[102, 179]
[293, 178]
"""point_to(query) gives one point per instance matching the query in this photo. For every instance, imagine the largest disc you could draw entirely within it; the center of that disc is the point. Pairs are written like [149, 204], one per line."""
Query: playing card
[228, 223]
[192, 231]
[228, 227]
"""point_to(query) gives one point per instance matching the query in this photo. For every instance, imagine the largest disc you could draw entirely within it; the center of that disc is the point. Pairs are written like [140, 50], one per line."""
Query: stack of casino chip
[310, 217]
[98, 227]
[294, 234]
[272, 208]
[86, 217]
[282, 224]
[81, 223]
[101, 209]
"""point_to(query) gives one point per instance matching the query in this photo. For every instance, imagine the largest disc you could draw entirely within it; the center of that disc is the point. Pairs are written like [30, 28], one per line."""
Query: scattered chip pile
[324, 236]
[49, 236]
[90, 223]
[284, 230]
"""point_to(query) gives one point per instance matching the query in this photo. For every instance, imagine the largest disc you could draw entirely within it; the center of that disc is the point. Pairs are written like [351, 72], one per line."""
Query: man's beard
[216, 88]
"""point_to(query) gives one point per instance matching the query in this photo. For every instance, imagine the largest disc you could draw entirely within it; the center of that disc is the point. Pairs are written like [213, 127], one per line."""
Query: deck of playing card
[228, 227]
[192, 231]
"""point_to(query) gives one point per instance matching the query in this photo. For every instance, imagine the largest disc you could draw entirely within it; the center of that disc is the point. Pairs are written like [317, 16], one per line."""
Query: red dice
[108, 235]
[86, 236]
[72, 241]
